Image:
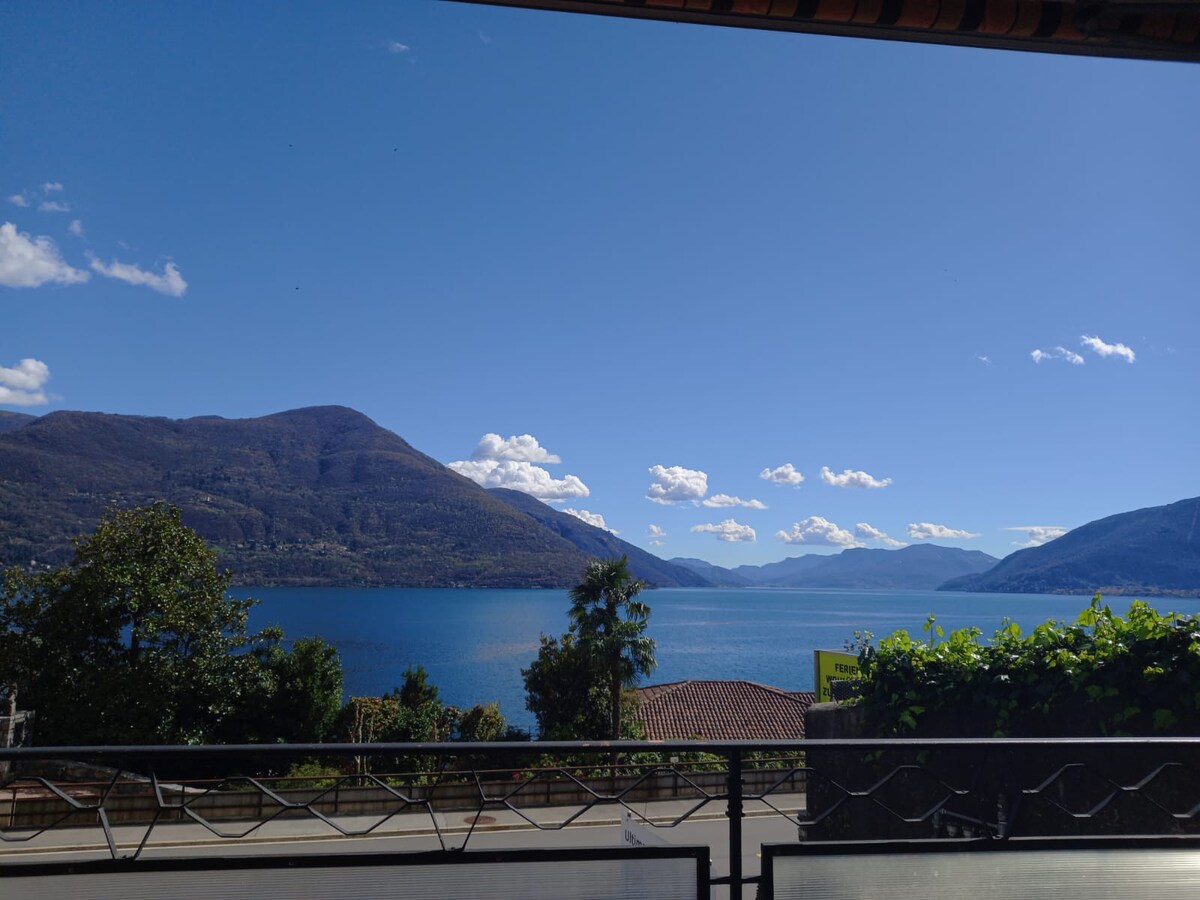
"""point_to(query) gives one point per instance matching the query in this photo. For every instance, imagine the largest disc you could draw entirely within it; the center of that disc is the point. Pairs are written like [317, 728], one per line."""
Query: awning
[1163, 29]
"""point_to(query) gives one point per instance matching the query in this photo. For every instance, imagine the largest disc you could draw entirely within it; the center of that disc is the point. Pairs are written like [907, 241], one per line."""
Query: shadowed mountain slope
[716, 575]
[600, 543]
[312, 496]
[1148, 551]
[12, 420]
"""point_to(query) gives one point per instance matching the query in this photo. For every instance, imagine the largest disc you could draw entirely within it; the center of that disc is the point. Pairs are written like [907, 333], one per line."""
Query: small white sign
[636, 833]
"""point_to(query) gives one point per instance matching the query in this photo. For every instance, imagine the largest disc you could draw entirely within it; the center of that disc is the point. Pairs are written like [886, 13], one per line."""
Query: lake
[474, 643]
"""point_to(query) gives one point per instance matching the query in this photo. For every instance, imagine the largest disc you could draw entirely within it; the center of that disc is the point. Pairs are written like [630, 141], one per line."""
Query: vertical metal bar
[734, 814]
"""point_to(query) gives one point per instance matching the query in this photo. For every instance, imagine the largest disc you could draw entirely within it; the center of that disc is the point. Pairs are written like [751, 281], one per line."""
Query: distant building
[721, 710]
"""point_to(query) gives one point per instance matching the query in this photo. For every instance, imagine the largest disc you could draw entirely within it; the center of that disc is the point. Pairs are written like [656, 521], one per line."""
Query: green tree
[137, 641]
[301, 697]
[482, 722]
[577, 687]
[19, 646]
[565, 689]
[610, 625]
[417, 689]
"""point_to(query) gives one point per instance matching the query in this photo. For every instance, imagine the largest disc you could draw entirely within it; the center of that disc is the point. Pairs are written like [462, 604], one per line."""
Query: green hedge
[1101, 675]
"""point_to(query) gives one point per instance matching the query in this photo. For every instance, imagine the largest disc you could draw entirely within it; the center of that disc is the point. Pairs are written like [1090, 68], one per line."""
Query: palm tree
[610, 622]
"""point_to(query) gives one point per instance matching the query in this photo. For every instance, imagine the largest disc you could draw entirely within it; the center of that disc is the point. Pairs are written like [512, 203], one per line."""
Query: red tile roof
[721, 710]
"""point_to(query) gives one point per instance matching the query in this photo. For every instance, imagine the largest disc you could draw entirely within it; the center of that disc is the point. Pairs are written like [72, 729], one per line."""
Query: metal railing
[999, 789]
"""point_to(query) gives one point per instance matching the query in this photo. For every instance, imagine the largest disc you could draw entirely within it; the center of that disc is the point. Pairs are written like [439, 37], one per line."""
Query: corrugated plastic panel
[672, 879]
[1104, 874]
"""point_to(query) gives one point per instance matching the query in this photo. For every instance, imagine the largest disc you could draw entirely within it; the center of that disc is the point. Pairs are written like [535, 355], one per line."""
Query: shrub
[1102, 674]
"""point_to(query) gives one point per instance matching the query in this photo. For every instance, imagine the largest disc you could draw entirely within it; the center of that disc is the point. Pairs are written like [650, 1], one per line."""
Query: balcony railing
[127, 799]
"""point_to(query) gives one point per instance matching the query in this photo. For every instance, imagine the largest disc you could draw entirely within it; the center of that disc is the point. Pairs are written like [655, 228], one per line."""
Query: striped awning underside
[1163, 29]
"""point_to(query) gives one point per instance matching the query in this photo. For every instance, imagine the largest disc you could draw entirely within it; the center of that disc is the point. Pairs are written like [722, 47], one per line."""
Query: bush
[1103, 674]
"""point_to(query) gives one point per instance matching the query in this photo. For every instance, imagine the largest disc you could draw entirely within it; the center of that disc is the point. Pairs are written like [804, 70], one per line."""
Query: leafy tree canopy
[578, 685]
[566, 690]
[137, 641]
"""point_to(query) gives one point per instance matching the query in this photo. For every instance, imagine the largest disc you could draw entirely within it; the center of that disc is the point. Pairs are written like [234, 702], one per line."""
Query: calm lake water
[474, 643]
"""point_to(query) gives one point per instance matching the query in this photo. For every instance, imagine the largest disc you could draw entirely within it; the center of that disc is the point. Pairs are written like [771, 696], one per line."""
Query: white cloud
[1057, 353]
[818, 530]
[397, 47]
[722, 500]
[18, 200]
[53, 206]
[927, 531]
[28, 262]
[51, 187]
[728, 530]
[657, 532]
[983, 359]
[170, 282]
[871, 533]
[656, 543]
[76, 228]
[853, 479]
[518, 448]
[520, 476]
[594, 519]
[22, 385]
[1036, 535]
[675, 484]
[1104, 349]
[785, 474]
[509, 463]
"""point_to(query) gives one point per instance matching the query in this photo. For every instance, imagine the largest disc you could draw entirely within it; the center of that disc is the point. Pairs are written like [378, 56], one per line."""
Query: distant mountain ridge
[716, 575]
[10, 421]
[919, 567]
[1148, 551]
[316, 496]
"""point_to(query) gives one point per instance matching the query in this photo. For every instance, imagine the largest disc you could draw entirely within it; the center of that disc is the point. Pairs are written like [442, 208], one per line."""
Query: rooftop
[721, 710]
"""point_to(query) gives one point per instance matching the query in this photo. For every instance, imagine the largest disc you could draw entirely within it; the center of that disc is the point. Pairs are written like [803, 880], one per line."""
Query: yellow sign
[831, 666]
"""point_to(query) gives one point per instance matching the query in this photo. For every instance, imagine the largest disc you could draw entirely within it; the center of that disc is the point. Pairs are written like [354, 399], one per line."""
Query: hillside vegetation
[1152, 551]
[311, 496]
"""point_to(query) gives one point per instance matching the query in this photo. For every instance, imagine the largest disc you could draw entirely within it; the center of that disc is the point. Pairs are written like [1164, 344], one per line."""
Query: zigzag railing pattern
[829, 790]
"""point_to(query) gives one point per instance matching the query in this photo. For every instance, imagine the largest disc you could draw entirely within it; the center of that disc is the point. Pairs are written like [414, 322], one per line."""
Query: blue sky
[675, 256]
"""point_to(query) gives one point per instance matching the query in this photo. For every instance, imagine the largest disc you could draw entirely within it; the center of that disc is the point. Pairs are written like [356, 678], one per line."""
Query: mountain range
[1147, 551]
[919, 567]
[317, 496]
[324, 496]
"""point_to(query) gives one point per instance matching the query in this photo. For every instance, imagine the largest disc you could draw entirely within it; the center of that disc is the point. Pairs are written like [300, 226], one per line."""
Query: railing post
[734, 814]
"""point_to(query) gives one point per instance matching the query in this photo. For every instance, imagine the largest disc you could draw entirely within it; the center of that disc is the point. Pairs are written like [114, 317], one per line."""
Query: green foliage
[137, 641]
[566, 690]
[21, 600]
[482, 722]
[304, 692]
[1102, 674]
[609, 624]
[417, 688]
[413, 713]
[387, 720]
[310, 775]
